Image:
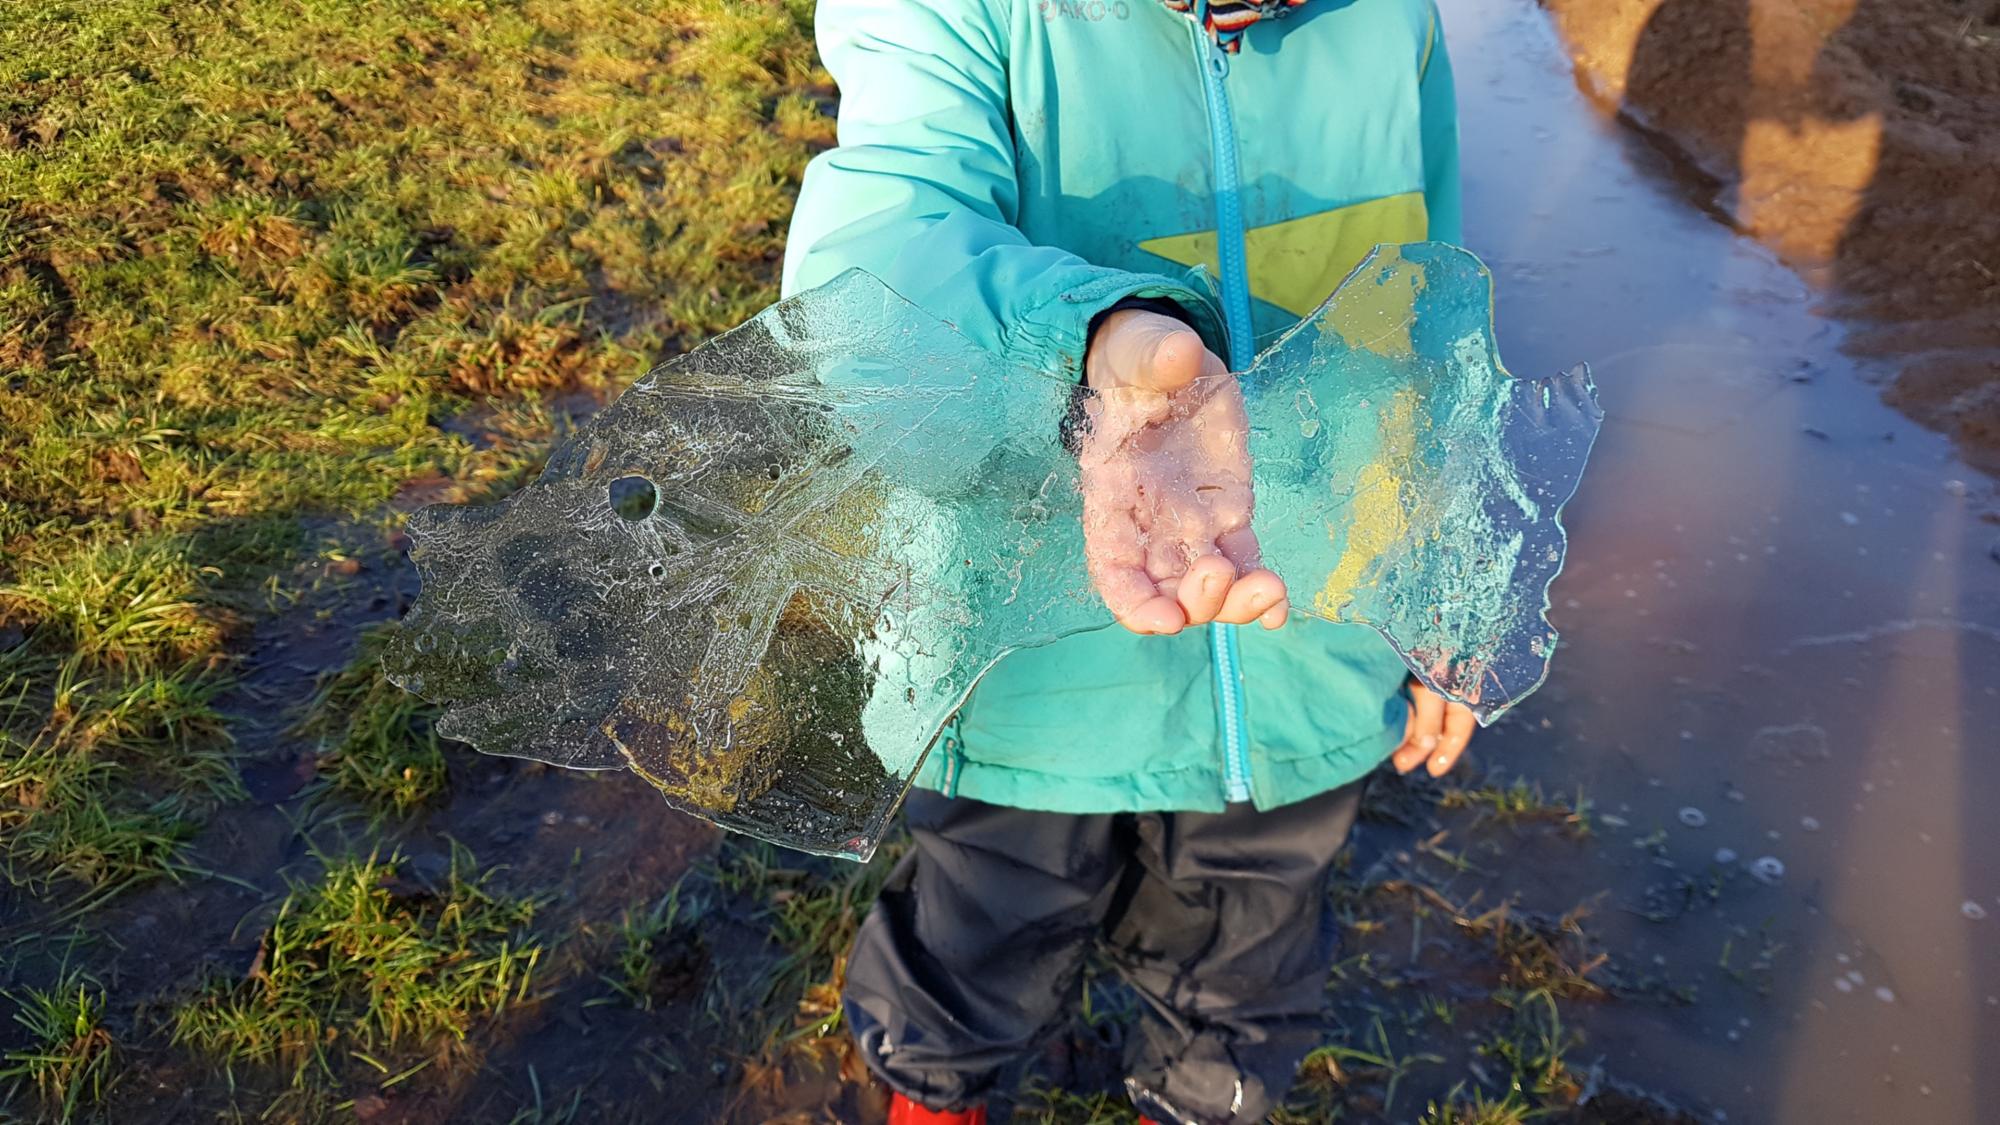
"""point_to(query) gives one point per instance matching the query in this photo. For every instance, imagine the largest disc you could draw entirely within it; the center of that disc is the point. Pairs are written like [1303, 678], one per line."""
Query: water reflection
[1781, 614]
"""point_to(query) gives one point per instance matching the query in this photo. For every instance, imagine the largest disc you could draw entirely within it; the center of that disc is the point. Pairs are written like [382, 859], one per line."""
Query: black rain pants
[1220, 921]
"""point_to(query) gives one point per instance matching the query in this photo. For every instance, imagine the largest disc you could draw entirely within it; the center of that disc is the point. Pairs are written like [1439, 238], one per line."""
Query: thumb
[1147, 351]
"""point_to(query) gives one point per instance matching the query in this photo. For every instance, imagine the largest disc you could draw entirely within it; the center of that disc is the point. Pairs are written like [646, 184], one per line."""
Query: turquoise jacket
[1017, 167]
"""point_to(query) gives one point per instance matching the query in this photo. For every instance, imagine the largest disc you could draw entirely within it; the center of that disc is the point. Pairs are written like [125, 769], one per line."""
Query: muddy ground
[1861, 140]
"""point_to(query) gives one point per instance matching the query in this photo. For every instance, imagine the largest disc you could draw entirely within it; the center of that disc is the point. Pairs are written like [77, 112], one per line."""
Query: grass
[655, 947]
[1528, 950]
[543, 1112]
[1319, 1094]
[813, 909]
[251, 257]
[110, 747]
[1534, 1046]
[376, 741]
[258, 263]
[364, 961]
[67, 1060]
[1048, 1105]
[1458, 1108]
[1521, 801]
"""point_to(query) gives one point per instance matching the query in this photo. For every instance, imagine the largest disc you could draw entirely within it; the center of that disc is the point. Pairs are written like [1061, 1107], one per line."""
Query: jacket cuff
[1054, 336]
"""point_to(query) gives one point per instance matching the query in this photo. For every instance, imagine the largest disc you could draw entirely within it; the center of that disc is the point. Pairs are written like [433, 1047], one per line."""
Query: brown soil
[1861, 140]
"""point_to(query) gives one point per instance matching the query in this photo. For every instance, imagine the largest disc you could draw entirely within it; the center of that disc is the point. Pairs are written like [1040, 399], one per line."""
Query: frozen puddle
[1782, 637]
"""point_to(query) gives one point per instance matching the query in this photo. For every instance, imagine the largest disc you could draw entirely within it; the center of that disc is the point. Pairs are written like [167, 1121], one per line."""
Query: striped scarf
[1227, 20]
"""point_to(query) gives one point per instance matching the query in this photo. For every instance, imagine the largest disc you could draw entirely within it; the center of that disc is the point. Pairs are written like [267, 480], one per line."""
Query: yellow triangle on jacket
[1294, 264]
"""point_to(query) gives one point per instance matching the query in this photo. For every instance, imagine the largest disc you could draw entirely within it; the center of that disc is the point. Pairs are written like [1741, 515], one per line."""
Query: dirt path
[1861, 140]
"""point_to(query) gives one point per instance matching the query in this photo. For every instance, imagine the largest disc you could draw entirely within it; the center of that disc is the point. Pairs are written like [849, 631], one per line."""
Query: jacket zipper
[1214, 64]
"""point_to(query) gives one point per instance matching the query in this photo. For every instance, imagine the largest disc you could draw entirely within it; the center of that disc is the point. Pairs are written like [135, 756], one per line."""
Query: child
[1043, 174]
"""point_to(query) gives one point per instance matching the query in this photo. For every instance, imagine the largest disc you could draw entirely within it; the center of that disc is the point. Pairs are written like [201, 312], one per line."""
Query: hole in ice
[633, 497]
[657, 570]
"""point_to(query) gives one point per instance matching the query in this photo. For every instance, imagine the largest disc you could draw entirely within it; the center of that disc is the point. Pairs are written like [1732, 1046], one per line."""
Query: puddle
[1782, 629]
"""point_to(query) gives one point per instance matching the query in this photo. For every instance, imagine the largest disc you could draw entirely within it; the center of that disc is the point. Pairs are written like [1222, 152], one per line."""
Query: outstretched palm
[1166, 482]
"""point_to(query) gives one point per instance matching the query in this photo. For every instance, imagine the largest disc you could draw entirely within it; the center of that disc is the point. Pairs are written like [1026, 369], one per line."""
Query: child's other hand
[1166, 482]
[1436, 733]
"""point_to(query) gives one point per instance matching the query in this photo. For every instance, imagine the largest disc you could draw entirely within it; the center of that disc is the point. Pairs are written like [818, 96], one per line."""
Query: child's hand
[1436, 730]
[1166, 482]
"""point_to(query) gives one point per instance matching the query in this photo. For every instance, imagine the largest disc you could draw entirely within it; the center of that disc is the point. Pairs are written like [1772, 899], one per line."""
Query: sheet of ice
[766, 576]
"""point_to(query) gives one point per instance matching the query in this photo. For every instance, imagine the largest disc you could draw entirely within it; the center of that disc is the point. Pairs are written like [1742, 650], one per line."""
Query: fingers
[1458, 726]
[1202, 591]
[1134, 598]
[1157, 616]
[1231, 587]
[1435, 735]
[1263, 603]
[1257, 596]
[1426, 729]
[1239, 545]
[1276, 616]
[1260, 595]
[1212, 591]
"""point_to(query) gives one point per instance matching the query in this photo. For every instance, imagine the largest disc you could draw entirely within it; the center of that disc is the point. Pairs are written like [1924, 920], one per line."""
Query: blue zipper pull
[1218, 59]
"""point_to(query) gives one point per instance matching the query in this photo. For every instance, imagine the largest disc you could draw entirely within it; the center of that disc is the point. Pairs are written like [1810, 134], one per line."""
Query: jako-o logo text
[1088, 11]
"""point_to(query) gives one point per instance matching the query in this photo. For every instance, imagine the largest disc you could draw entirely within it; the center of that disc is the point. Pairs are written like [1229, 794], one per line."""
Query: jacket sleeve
[1438, 99]
[921, 190]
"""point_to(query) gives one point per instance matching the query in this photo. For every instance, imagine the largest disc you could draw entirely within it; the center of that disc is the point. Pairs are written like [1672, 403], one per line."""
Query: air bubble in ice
[633, 497]
[1768, 869]
[1972, 910]
[1725, 856]
[1693, 817]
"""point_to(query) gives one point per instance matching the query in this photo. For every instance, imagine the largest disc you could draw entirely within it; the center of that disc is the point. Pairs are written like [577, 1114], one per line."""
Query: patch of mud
[1858, 138]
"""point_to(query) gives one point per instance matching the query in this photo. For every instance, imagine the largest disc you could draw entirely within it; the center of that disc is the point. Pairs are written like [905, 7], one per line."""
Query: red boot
[903, 1111]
